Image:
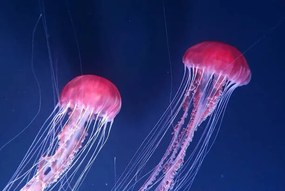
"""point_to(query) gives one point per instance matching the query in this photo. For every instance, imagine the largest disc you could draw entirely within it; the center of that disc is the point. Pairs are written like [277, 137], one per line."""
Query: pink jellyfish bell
[219, 59]
[213, 70]
[71, 138]
[93, 93]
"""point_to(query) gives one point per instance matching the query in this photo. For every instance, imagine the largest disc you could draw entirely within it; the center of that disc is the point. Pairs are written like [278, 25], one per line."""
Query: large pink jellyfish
[213, 71]
[71, 138]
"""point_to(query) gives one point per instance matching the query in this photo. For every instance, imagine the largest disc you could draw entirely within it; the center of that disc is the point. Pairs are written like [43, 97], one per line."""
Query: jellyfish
[71, 138]
[213, 70]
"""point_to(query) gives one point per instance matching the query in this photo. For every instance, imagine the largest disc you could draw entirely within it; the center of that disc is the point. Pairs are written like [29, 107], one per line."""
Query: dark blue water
[125, 41]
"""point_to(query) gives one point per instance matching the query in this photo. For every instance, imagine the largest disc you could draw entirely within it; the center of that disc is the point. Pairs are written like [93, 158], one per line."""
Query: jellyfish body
[212, 71]
[71, 138]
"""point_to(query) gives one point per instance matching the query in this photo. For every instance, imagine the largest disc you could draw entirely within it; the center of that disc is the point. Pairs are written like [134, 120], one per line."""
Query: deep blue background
[125, 41]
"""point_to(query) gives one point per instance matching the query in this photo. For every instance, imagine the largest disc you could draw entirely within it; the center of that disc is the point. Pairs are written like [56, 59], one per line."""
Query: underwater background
[139, 45]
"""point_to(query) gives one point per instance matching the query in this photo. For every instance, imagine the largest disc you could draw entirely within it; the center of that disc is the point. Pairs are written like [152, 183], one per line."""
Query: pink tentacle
[50, 168]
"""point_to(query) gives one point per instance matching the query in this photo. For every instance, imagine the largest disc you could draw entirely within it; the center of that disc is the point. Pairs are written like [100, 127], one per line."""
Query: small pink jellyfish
[71, 138]
[213, 70]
